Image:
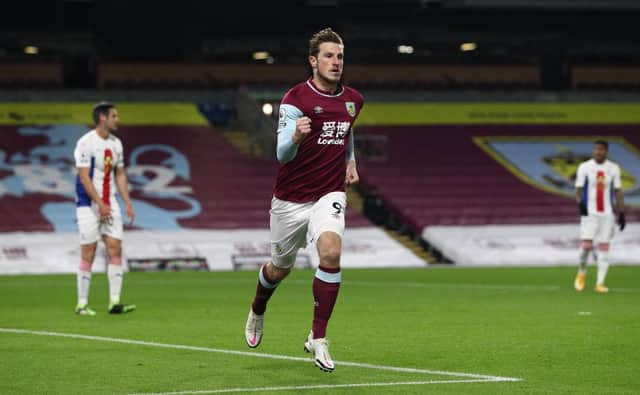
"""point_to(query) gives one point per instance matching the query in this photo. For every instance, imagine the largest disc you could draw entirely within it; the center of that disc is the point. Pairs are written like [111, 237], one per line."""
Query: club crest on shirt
[351, 108]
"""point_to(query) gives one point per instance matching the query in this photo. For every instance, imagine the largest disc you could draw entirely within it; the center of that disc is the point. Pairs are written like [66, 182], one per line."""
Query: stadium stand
[434, 77]
[437, 175]
[607, 77]
[381, 76]
[232, 190]
[30, 75]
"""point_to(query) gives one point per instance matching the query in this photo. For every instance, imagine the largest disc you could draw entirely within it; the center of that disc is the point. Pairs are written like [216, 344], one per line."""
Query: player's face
[328, 64]
[111, 121]
[599, 152]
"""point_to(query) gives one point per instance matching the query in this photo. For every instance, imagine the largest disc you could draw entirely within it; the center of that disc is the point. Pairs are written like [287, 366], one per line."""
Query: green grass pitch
[524, 323]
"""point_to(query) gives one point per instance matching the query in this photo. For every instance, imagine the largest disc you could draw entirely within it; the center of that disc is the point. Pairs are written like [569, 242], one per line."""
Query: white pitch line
[497, 287]
[255, 354]
[314, 387]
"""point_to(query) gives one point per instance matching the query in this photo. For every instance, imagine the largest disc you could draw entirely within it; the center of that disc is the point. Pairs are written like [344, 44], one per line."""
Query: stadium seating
[379, 76]
[233, 190]
[606, 78]
[437, 175]
[30, 75]
[433, 77]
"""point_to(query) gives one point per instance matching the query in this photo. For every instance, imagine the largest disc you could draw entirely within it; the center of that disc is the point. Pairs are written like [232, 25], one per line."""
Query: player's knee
[604, 247]
[587, 244]
[114, 247]
[329, 246]
[331, 254]
[88, 252]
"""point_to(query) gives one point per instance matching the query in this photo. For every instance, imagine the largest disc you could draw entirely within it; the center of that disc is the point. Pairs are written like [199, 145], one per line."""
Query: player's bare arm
[579, 191]
[352, 173]
[351, 176]
[622, 223]
[85, 179]
[582, 208]
[123, 188]
[619, 201]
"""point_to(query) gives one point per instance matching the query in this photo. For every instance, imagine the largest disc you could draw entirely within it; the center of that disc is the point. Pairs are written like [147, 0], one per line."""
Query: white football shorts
[598, 228]
[293, 225]
[91, 228]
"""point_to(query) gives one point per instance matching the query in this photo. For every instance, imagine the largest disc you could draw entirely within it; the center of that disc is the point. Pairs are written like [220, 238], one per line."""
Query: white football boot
[320, 350]
[253, 329]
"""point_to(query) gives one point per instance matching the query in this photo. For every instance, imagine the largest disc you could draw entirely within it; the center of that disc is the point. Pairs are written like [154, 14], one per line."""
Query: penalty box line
[470, 377]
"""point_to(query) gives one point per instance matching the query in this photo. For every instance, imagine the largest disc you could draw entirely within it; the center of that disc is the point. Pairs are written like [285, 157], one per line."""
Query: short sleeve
[120, 154]
[581, 176]
[617, 178]
[82, 154]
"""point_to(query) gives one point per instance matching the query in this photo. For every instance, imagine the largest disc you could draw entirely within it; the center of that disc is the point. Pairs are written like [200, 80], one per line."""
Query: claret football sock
[265, 288]
[326, 285]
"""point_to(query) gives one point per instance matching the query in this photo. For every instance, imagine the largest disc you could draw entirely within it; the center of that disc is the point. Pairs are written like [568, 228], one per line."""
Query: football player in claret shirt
[99, 158]
[597, 182]
[316, 154]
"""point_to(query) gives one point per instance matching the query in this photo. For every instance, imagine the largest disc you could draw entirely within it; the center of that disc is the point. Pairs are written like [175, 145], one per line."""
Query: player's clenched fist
[303, 128]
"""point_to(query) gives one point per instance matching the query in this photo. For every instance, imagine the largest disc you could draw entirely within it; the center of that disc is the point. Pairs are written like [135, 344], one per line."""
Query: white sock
[603, 266]
[84, 283]
[114, 272]
[584, 255]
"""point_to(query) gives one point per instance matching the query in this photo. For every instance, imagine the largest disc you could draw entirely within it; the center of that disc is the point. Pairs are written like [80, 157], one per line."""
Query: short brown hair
[101, 108]
[323, 36]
